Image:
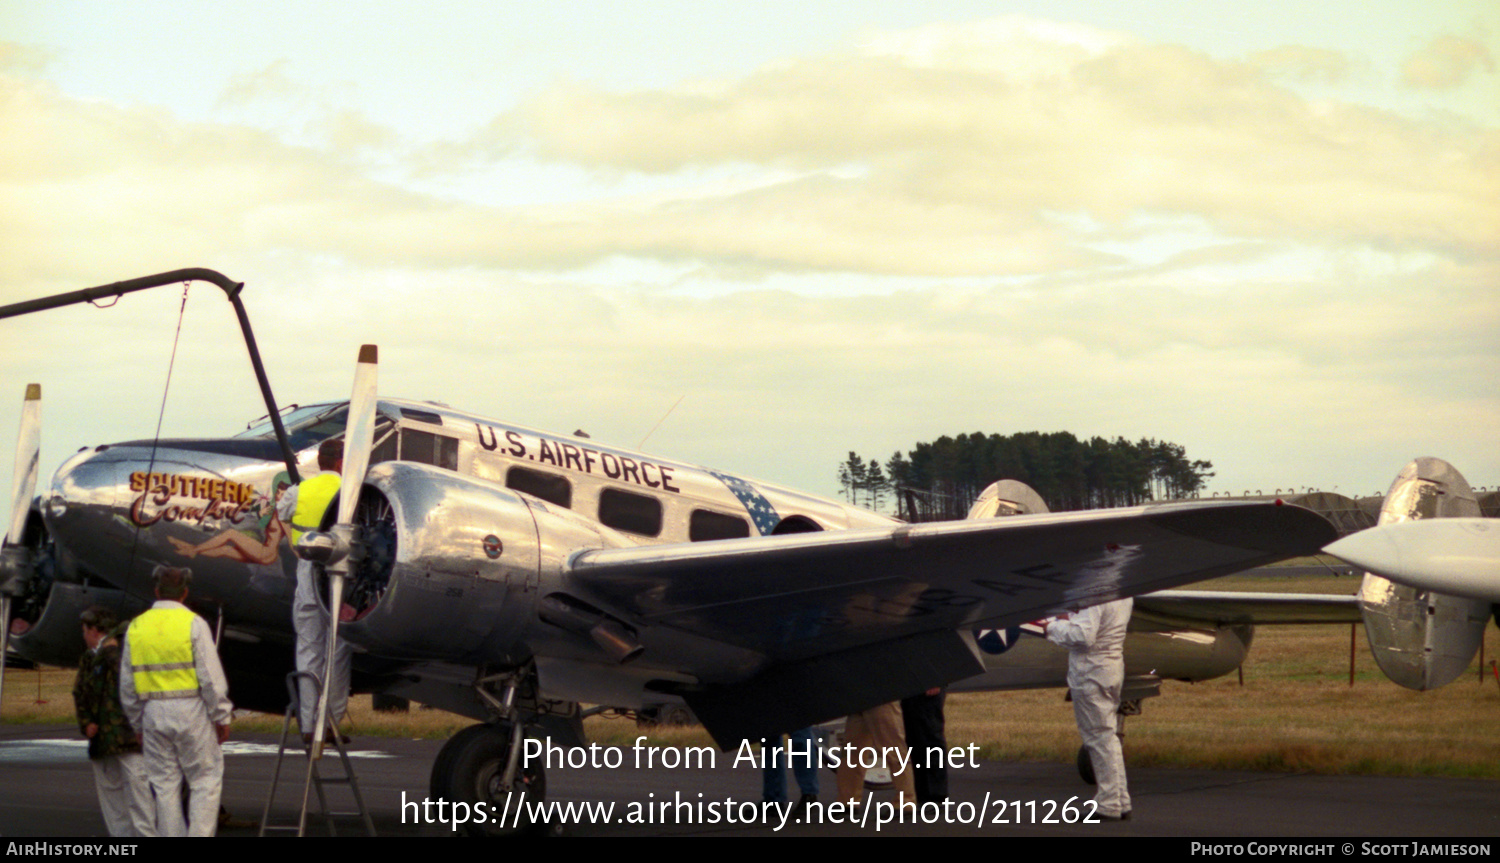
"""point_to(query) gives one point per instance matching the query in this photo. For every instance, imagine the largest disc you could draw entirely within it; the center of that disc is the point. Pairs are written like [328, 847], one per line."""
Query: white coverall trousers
[311, 623]
[180, 744]
[125, 795]
[1095, 638]
[1096, 706]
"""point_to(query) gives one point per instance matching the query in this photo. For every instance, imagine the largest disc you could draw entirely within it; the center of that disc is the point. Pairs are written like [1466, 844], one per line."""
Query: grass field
[1295, 711]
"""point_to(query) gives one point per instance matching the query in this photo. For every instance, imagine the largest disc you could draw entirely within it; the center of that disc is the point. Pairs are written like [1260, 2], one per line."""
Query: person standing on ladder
[302, 509]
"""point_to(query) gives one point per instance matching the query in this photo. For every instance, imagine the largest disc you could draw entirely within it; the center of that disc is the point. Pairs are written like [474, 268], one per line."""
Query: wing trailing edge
[845, 620]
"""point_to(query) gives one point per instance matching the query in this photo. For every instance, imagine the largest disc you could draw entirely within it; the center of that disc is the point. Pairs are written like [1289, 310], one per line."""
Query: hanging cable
[156, 439]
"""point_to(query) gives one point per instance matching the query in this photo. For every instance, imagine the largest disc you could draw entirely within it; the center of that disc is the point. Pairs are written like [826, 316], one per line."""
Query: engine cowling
[44, 623]
[455, 565]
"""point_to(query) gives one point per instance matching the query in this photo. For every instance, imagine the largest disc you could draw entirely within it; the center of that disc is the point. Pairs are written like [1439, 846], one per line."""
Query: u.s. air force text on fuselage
[581, 459]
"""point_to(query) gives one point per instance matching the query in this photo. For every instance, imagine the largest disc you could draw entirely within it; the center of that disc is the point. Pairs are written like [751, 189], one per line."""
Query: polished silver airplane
[510, 574]
[1431, 580]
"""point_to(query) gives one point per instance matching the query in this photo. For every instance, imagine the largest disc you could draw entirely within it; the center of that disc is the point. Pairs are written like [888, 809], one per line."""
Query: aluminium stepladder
[315, 780]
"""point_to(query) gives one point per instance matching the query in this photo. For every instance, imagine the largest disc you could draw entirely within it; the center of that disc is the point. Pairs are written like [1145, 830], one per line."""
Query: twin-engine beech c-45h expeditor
[509, 574]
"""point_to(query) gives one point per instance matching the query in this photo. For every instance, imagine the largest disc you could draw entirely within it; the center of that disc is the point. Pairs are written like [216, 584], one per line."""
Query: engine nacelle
[454, 565]
[44, 623]
[56, 637]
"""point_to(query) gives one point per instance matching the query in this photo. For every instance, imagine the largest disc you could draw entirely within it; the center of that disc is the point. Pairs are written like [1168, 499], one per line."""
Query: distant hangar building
[1347, 514]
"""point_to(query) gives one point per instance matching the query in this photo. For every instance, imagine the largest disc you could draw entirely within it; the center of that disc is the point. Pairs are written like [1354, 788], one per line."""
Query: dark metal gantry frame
[231, 289]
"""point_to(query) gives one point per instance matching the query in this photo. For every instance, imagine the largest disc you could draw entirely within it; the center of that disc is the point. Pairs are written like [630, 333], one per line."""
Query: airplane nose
[1371, 550]
[83, 493]
[82, 511]
[117, 511]
[1454, 556]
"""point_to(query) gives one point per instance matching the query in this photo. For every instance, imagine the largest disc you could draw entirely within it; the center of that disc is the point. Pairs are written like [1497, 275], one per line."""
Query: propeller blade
[23, 486]
[28, 452]
[359, 435]
[4, 640]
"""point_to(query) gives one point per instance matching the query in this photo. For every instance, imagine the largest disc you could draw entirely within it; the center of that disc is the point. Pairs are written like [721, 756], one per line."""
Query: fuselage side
[116, 511]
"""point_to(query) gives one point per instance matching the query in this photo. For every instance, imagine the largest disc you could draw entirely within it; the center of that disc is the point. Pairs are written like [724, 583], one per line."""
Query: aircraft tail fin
[1423, 639]
[1007, 497]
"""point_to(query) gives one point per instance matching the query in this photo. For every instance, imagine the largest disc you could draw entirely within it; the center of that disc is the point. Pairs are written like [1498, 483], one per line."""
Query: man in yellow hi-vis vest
[301, 509]
[174, 692]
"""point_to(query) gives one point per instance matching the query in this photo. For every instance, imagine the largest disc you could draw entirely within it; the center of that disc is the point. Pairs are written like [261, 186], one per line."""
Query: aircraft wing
[1171, 609]
[791, 596]
[875, 614]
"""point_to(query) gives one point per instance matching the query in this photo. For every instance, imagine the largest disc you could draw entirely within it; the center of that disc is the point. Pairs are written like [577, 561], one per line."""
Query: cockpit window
[306, 426]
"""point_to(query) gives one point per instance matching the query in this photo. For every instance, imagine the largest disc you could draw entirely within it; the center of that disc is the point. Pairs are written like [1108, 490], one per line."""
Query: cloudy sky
[1269, 232]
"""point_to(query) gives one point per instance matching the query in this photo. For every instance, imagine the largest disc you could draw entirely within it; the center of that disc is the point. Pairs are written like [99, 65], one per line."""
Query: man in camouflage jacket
[114, 748]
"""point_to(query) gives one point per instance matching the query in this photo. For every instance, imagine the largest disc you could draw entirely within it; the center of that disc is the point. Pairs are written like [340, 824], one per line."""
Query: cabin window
[429, 448]
[314, 430]
[318, 421]
[422, 416]
[630, 512]
[539, 484]
[387, 438]
[796, 524]
[704, 525]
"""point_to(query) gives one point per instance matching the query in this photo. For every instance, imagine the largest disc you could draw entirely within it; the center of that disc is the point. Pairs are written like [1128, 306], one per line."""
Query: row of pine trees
[939, 480]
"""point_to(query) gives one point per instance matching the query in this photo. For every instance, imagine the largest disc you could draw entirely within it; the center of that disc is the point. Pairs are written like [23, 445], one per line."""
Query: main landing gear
[479, 770]
[471, 769]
